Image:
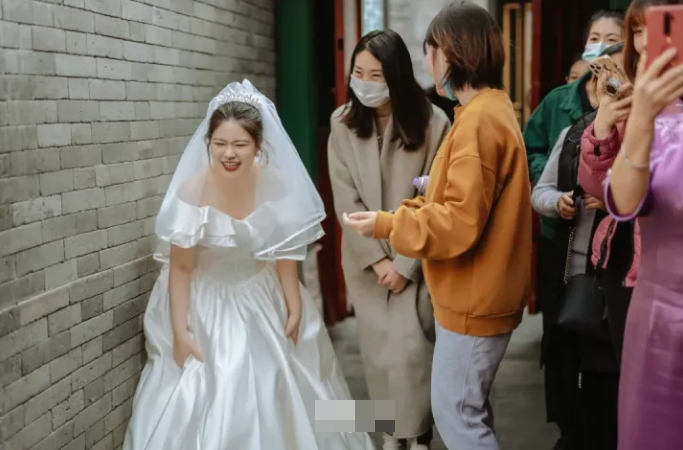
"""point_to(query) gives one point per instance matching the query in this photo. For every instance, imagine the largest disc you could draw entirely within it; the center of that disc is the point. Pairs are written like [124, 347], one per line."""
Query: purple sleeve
[664, 154]
[643, 208]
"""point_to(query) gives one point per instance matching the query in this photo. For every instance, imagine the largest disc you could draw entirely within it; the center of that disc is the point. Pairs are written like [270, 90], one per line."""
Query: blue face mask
[447, 89]
[446, 84]
[593, 50]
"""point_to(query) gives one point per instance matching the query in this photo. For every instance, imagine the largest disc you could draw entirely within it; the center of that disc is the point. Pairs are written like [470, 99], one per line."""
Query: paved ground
[517, 394]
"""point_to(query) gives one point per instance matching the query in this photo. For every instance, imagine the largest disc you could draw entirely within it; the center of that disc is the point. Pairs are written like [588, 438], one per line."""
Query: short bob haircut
[635, 19]
[411, 110]
[472, 42]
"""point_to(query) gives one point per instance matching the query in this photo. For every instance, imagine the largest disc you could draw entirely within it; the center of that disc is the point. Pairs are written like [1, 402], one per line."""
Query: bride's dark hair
[247, 115]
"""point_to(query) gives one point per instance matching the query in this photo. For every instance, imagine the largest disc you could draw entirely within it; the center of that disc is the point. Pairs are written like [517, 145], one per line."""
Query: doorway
[517, 31]
[328, 57]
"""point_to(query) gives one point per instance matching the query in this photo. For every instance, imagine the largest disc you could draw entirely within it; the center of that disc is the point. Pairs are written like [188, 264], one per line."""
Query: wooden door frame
[340, 88]
[340, 73]
[329, 258]
[518, 100]
[359, 19]
[341, 305]
[536, 14]
[537, 50]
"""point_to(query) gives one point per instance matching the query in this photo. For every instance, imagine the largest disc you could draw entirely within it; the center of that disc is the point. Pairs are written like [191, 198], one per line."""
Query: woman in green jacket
[559, 110]
[565, 104]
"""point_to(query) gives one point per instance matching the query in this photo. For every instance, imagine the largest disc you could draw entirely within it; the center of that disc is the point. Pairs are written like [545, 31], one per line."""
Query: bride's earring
[262, 158]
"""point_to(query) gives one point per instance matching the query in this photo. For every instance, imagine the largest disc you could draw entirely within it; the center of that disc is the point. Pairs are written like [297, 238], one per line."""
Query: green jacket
[558, 110]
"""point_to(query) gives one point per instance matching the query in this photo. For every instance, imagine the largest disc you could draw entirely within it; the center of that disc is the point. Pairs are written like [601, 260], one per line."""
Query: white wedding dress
[255, 389]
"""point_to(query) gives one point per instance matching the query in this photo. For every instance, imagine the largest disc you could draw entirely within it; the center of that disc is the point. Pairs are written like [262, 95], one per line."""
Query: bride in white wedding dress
[237, 351]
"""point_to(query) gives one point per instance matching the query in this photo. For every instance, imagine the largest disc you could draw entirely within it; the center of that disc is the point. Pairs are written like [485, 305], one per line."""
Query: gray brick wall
[97, 100]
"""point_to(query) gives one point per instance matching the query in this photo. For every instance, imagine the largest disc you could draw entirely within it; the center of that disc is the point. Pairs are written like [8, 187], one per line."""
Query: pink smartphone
[664, 30]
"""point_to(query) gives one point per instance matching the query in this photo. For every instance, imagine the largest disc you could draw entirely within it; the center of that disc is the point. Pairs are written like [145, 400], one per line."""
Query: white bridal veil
[288, 209]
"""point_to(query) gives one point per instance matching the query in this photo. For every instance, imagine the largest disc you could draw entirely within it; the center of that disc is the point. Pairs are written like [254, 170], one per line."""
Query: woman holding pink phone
[645, 182]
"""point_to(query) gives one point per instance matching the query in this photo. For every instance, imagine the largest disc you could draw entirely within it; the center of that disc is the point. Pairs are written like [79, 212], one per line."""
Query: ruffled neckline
[190, 225]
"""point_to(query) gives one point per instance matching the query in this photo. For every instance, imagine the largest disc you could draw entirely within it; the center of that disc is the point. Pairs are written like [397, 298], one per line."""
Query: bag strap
[569, 254]
[605, 243]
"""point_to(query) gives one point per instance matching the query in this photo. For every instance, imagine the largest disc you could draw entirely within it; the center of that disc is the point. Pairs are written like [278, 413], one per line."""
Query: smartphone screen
[664, 30]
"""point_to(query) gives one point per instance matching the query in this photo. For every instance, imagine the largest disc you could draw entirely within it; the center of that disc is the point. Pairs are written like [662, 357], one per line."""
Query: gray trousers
[462, 375]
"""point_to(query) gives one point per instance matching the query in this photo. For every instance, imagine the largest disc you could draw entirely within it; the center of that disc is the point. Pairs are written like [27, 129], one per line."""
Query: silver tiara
[238, 94]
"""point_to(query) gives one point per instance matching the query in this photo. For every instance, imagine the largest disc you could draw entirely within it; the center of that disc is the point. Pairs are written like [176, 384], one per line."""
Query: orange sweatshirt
[473, 227]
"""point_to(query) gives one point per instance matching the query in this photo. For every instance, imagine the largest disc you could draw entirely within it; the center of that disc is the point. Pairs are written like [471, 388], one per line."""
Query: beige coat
[396, 331]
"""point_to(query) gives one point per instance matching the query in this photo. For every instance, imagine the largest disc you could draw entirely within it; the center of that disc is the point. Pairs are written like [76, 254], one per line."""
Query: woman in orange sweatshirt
[473, 227]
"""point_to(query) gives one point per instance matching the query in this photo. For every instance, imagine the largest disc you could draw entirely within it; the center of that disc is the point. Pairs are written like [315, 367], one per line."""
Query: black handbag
[583, 304]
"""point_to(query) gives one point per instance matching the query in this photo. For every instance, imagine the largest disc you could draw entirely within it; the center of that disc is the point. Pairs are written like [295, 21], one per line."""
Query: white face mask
[370, 93]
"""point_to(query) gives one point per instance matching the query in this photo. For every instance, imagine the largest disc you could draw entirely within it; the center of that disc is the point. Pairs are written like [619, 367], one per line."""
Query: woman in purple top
[645, 181]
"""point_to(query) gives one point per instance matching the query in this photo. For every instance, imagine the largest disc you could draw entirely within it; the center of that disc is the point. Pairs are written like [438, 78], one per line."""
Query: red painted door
[329, 258]
[340, 89]
[558, 34]
[536, 8]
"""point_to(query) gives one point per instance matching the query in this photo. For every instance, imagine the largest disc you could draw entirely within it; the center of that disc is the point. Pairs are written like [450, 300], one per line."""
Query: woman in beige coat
[385, 136]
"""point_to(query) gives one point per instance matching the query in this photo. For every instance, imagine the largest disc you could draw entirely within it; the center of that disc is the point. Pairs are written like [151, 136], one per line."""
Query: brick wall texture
[97, 101]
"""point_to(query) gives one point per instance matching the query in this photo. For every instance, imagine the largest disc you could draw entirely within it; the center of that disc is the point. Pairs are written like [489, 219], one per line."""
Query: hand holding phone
[664, 31]
[611, 78]
[568, 202]
[566, 206]
[659, 79]
[577, 194]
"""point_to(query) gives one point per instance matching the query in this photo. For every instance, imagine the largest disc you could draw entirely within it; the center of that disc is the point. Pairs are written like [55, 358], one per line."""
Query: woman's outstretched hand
[183, 347]
[362, 223]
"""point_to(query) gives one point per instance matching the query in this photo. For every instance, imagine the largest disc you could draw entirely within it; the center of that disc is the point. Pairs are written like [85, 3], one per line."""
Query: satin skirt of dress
[651, 387]
[254, 389]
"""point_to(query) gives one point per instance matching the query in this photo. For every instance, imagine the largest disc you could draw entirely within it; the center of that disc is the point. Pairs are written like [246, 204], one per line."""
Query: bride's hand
[183, 347]
[292, 326]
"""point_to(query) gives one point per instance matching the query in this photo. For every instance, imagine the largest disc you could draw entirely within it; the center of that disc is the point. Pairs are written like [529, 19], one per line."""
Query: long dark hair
[410, 108]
